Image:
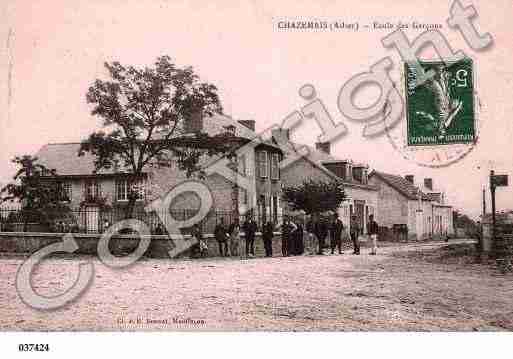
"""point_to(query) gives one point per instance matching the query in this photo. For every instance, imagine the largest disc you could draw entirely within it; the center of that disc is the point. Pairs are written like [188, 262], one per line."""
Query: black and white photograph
[290, 178]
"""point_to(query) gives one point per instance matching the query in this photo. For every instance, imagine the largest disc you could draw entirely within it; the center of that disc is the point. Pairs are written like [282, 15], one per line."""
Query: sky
[52, 51]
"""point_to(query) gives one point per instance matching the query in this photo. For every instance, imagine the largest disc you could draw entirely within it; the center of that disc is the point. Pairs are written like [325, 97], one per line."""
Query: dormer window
[230, 130]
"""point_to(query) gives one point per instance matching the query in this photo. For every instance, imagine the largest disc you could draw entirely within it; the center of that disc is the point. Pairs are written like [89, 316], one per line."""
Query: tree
[144, 112]
[314, 196]
[461, 220]
[37, 189]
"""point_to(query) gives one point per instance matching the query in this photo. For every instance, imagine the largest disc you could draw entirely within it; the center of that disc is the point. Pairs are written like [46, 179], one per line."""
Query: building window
[349, 176]
[242, 165]
[262, 164]
[275, 166]
[92, 190]
[371, 211]
[243, 195]
[404, 209]
[262, 209]
[275, 209]
[66, 191]
[125, 186]
[121, 190]
[364, 176]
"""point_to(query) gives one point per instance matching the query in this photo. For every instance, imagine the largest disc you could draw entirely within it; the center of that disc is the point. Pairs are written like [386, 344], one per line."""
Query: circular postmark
[426, 156]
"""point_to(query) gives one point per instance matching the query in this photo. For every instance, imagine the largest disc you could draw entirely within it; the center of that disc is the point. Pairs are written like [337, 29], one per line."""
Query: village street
[415, 286]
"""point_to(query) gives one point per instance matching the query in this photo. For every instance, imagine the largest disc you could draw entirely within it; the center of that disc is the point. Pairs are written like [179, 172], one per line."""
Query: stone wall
[27, 243]
[392, 206]
[502, 246]
[165, 179]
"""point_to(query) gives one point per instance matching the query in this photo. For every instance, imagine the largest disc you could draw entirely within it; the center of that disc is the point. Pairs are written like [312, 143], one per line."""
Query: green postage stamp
[441, 110]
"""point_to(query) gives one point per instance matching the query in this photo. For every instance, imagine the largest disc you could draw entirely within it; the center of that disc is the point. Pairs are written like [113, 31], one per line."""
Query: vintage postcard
[249, 166]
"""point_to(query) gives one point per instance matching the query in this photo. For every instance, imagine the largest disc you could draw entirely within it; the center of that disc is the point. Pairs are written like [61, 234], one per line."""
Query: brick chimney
[248, 123]
[409, 178]
[194, 123]
[428, 183]
[323, 146]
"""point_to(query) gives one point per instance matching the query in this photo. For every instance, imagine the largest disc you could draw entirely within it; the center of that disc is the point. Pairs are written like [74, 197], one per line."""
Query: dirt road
[406, 287]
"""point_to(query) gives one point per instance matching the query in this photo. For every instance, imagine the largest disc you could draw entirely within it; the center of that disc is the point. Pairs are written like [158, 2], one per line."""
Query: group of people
[293, 238]
[229, 239]
[356, 230]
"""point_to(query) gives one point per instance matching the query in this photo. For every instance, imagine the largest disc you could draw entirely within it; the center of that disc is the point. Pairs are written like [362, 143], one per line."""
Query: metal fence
[95, 220]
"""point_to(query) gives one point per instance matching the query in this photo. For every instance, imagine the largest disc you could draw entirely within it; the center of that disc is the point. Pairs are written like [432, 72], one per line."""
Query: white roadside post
[419, 216]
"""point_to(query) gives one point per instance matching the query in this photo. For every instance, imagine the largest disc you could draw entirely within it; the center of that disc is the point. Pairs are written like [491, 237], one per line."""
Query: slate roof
[317, 158]
[402, 185]
[434, 196]
[63, 157]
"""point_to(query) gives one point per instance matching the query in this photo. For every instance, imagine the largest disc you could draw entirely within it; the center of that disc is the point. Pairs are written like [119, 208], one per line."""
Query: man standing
[336, 229]
[372, 229]
[300, 246]
[250, 228]
[354, 231]
[202, 244]
[234, 232]
[292, 246]
[310, 236]
[321, 231]
[221, 238]
[287, 229]
[267, 236]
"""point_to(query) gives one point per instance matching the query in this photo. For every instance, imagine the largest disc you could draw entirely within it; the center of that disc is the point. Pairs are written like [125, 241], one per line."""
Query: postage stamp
[441, 110]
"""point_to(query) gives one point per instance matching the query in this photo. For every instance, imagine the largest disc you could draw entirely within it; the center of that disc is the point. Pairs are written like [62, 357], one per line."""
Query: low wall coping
[98, 235]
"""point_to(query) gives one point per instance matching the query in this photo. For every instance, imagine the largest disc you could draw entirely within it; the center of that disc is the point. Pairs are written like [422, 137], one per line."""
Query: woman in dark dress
[299, 244]
[267, 236]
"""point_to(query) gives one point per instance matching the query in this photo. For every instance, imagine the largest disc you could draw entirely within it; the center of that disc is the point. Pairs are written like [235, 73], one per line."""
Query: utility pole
[492, 192]
[484, 201]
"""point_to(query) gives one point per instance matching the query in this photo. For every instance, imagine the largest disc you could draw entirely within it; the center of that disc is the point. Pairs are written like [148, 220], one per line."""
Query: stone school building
[89, 191]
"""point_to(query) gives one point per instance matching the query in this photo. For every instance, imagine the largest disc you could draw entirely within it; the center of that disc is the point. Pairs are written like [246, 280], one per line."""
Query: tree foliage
[37, 189]
[314, 196]
[461, 220]
[144, 111]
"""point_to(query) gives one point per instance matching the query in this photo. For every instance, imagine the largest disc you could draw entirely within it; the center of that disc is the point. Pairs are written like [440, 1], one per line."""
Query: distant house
[87, 190]
[419, 207]
[318, 164]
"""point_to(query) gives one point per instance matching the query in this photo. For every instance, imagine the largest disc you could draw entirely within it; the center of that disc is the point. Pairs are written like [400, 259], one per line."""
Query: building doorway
[359, 207]
[91, 218]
